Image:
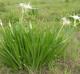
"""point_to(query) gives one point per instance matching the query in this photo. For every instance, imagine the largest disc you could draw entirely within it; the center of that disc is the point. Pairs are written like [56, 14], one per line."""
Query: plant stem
[59, 31]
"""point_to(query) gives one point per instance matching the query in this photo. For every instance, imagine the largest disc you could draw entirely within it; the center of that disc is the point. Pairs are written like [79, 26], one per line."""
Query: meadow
[39, 38]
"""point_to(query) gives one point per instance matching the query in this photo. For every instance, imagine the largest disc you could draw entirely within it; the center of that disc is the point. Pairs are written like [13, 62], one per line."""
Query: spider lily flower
[25, 6]
[65, 21]
[75, 17]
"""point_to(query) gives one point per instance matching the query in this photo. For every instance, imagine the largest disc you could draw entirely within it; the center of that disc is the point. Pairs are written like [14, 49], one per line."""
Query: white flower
[65, 21]
[75, 17]
[1, 22]
[25, 6]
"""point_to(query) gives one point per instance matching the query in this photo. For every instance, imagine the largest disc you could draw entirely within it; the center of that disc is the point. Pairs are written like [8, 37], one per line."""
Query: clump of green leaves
[32, 47]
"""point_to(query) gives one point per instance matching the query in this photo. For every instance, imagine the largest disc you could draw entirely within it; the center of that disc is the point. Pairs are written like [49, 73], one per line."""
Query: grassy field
[27, 40]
